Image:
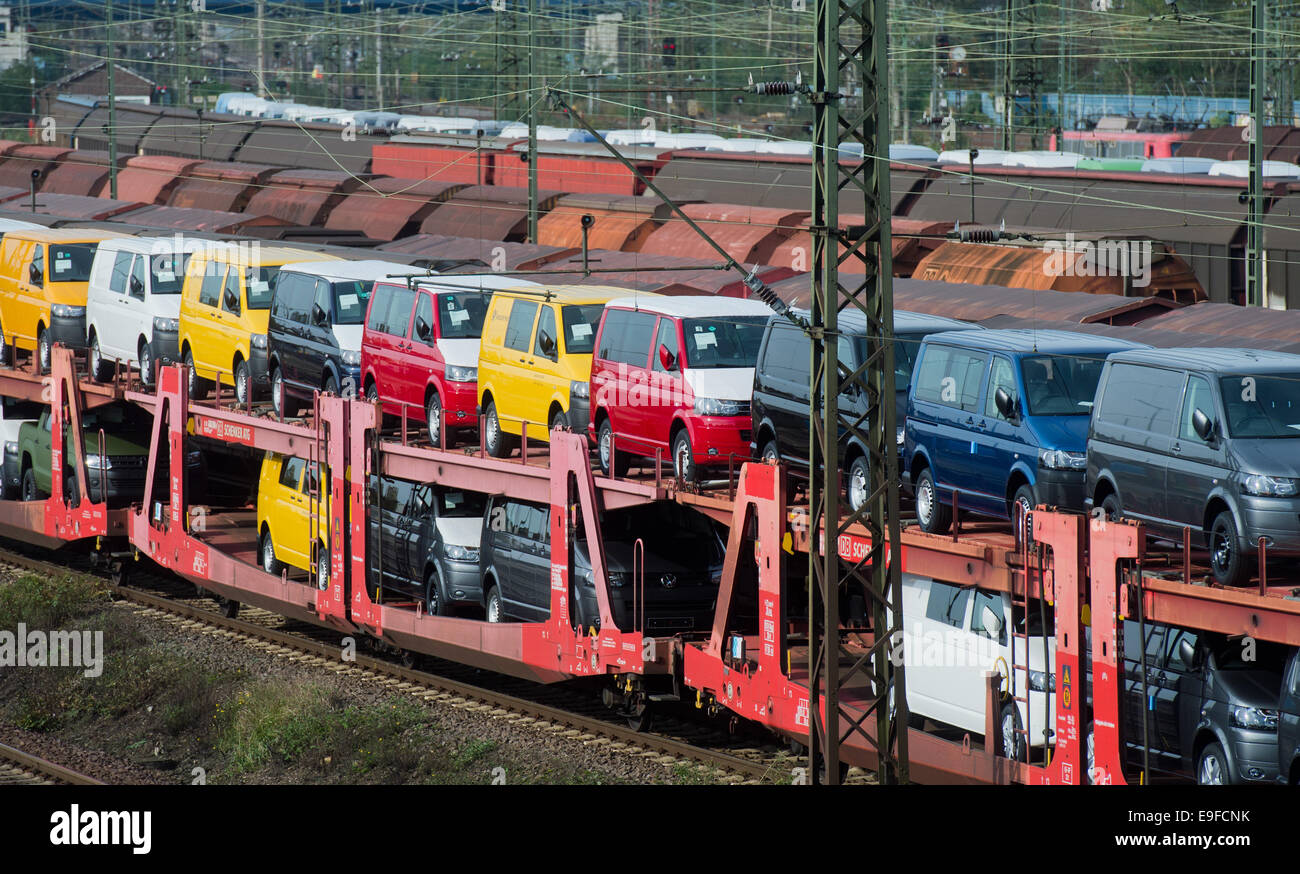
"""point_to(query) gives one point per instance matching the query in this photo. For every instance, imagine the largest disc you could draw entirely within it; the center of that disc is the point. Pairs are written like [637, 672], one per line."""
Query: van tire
[1230, 567]
[285, 406]
[1024, 497]
[198, 385]
[433, 416]
[44, 350]
[1110, 507]
[770, 452]
[858, 470]
[605, 446]
[322, 567]
[270, 563]
[29, 490]
[684, 467]
[559, 419]
[1212, 766]
[331, 386]
[932, 514]
[499, 444]
[146, 364]
[98, 369]
[493, 603]
[4, 347]
[243, 383]
[434, 602]
[1011, 741]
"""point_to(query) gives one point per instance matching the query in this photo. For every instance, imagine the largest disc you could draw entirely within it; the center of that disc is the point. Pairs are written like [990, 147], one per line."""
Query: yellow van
[284, 524]
[534, 361]
[44, 275]
[225, 307]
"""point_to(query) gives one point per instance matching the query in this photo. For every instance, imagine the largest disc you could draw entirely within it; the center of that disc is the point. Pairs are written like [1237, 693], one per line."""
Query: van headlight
[1059, 459]
[900, 435]
[462, 553]
[351, 358]
[63, 311]
[579, 389]
[1255, 718]
[11, 448]
[98, 462]
[455, 373]
[716, 407]
[165, 325]
[1041, 681]
[258, 341]
[1268, 486]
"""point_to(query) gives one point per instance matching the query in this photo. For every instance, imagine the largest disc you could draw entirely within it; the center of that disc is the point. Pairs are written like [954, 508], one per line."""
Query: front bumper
[667, 611]
[1060, 488]
[462, 582]
[12, 471]
[71, 332]
[1275, 519]
[579, 415]
[1254, 756]
[460, 404]
[259, 368]
[716, 440]
[165, 346]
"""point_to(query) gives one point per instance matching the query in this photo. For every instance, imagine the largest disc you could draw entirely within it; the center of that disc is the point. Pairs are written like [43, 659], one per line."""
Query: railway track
[557, 710]
[18, 768]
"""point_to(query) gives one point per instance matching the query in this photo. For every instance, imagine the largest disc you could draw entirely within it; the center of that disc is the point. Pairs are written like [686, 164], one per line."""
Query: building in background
[13, 39]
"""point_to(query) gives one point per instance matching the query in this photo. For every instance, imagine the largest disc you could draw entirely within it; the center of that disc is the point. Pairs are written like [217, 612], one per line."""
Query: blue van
[1001, 418]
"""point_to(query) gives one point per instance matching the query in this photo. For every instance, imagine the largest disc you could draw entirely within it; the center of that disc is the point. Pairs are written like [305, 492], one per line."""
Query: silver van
[1201, 438]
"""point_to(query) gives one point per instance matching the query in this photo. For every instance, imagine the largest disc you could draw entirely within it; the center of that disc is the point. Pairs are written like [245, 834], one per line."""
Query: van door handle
[982, 425]
[1177, 447]
[522, 361]
[970, 421]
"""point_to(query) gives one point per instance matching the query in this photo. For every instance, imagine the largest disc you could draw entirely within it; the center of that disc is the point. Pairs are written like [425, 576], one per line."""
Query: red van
[419, 349]
[675, 374]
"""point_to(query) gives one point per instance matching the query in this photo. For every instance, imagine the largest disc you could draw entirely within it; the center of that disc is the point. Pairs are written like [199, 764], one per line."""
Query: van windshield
[260, 281]
[905, 346]
[580, 327]
[350, 301]
[168, 273]
[1262, 405]
[70, 262]
[460, 314]
[1061, 385]
[729, 341]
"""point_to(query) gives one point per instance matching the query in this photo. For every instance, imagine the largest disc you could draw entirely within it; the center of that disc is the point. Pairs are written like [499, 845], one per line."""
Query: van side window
[947, 604]
[994, 603]
[121, 270]
[398, 318]
[230, 293]
[214, 275]
[519, 330]
[951, 377]
[424, 315]
[1001, 375]
[136, 285]
[626, 338]
[38, 261]
[1176, 637]
[322, 299]
[517, 519]
[291, 472]
[789, 355]
[379, 304]
[1145, 398]
[395, 494]
[546, 325]
[1197, 397]
[667, 337]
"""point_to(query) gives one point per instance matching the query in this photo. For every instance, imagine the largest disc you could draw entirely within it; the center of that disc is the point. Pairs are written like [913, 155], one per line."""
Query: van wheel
[494, 605]
[146, 365]
[285, 407]
[684, 458]
[243, 386]
[322, 567]
[498, 443]
[98, 371]
[43, 350]
[933, 515]
[30, 492]
[1229, 565]
[1012, 741]
[770, 453]
[331, 386]
[1212, 766]
[433, 417]
[1022, 504]
[610, 459]
[558, 420]
[1089, 756]
[1110, 507]
[859, 485]
[434, 603]
[372, 392]
[198, 385]
[4, 347]
[270, 563]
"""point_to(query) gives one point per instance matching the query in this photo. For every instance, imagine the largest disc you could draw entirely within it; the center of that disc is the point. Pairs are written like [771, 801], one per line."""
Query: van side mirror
[1202, 424]
[1187, 652]
[137, 287]
[423, 329]
[666, 358]
[318, 315]
[35, 273]
[1005, 402]
[547, 344]
[992, 622]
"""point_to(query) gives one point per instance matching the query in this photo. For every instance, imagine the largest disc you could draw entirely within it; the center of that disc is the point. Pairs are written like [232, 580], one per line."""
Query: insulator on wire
[774, 88]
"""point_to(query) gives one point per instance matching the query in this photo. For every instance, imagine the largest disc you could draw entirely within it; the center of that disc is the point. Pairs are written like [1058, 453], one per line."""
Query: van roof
[437, 282]
[905, 322]
[368, 269]
[271, 255]
[1214, 359]
[64, 235]
[692, 306]
[577, 294]
[1029, 340]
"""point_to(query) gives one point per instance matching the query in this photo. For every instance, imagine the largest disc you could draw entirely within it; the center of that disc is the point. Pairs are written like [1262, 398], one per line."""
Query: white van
[952, 636]
[133, 304]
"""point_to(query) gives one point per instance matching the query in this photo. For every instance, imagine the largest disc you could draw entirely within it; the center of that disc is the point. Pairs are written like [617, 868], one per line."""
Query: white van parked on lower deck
[133, 304]
[952, 636]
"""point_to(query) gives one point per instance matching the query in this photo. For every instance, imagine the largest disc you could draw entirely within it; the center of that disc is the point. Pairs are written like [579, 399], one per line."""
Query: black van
[1201, 438]
[424, 539]
[781, 381]
[318, 311]
[682, 566]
